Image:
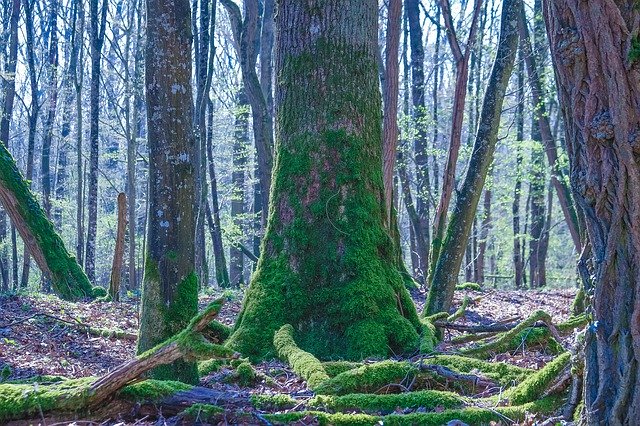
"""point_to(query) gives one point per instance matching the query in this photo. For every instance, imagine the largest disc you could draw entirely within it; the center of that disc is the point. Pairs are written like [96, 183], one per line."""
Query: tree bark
[328, 265]
[170, 284]
[598, 76]
[445, 275]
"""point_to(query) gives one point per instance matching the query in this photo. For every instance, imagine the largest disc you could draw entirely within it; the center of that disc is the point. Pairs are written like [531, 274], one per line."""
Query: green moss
[68, 280]
[217, 332]
[272, 402]
[303, 363]
[328, 265]
[99, 292]
[469, 286]
[634, 52]
[368, 379]
[209, 366]
[573, 323]
[535, 385]
[475, 416]
[204, 413]
[426, 399]
[246, 374]
[460, 311]
[44, 379]
[152, 390]
[166, 312]
[503, 373]
[506, 341]
[429, 338]
[333, 368]
[21, 401]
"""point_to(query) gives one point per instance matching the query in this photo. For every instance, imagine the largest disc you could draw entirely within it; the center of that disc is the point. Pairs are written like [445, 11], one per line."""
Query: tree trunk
[246, 34]
[9, 90]
[484, 235]
[537, 207]
[78, 77]
[541, 118]
[240, 145]
[445, 275]
[97, 30]
[518, 263]
[32, 119]
[45, 165]
[423, 188]
[170, 284]
[118, 251]
[594, 49]
[222, 273]
[390, 91]
[448, 179]
[328, 266]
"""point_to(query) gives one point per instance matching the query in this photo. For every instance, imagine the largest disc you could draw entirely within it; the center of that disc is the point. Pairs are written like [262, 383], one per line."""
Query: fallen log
[18, 401]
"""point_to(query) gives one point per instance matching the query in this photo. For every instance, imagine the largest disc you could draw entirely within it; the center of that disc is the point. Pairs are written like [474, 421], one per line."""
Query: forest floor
[42, 335]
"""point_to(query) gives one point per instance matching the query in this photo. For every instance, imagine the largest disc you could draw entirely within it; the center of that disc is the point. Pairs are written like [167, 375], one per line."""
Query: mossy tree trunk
[38, 234]
[595, 51]
[169, 288]
[445, 275]
[328, 266]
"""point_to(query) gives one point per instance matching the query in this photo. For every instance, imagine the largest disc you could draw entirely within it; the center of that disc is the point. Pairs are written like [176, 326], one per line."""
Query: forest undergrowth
[521, 379]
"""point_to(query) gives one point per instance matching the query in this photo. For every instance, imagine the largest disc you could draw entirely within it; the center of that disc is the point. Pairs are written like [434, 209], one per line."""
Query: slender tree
[9, 90]
[461, 59]
[595, 55]
[170, 284]
[328, 265]
[98, 20]
[445, 275]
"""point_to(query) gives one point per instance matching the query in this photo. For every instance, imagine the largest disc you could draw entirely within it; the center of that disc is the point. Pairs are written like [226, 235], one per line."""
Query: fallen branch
[82, 394]
[94, 331]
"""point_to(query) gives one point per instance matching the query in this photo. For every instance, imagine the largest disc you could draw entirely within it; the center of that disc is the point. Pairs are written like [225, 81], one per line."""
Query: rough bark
[328, 265]
[598, 76]
[170, 285]
[445, 275]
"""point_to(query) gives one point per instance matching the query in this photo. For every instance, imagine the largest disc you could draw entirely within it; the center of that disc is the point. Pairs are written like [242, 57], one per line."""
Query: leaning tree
[595, 48]
[327, 264]
[169, 287]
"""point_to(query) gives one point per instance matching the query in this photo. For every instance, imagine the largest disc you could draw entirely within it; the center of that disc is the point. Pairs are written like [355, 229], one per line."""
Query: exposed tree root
[538, 328]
